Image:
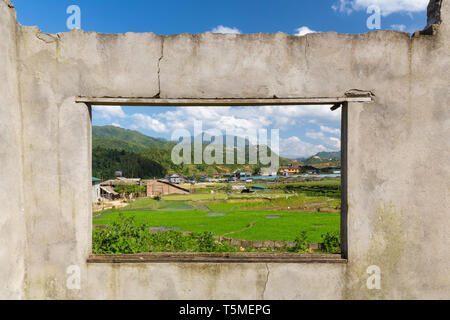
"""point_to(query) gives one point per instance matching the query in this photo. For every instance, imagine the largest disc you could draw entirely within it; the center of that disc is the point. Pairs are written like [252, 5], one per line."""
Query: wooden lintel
[218, 258]
[121, 101]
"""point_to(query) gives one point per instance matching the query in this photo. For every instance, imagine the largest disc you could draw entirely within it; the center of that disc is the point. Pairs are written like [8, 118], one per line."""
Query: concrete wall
[12, 215]
[398, 151]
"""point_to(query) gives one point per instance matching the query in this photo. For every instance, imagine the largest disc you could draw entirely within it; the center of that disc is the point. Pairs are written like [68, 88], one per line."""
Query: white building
[96, 190]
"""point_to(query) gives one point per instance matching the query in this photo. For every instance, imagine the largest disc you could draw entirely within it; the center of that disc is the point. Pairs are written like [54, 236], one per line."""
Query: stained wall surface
[398, 151]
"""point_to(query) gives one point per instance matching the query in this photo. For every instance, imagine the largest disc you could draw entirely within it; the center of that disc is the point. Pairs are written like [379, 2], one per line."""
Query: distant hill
[129, 138]
[323, 160]
[329, 155]
[321, 157]
[157, 151]
[138, 155]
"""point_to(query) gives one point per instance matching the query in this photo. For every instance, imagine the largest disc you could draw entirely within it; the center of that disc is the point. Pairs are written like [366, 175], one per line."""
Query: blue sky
[303, 130]
[195, 16]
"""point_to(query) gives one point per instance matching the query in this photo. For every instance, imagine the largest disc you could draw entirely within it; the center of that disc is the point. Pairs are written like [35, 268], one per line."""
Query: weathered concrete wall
[12, 219]
[398, 175]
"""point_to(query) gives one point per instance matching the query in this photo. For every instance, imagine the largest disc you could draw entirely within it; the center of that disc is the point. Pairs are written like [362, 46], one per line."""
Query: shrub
[206, 242]
[331, 242]
[122, 237]
[126, 237]
[301, 242]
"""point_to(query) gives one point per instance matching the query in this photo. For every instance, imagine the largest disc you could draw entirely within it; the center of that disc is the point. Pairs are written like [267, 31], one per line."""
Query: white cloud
[242, 119]
[303, 31]
[387, 6]
[344, 6]
[284, 116]
[332, 143]
[115, 124]
[223, 29]
[335, 143]
[399, 27]
[315, 135]
[142, 121]
[294, 147]
[108, 112]
[330, 130]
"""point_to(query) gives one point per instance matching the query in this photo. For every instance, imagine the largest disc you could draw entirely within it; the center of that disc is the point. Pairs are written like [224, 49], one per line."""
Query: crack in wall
[267, 281]
[306, 52]
[158, 95]
[47, 38]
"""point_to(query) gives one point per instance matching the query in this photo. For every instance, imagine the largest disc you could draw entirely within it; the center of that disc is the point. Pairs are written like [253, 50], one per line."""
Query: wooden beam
[219, 258]
[336, 106]
[121, 101]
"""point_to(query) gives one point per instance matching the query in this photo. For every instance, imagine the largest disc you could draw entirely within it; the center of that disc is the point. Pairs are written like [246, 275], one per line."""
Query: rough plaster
[398, 147]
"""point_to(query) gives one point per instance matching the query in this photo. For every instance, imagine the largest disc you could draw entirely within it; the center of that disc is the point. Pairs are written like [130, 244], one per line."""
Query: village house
[290, 170]
[96, 194]
[242, 175]
[176, 179]
[107, 187]
[107, 192]
[121, 181]
[161, 188]
[268, 172]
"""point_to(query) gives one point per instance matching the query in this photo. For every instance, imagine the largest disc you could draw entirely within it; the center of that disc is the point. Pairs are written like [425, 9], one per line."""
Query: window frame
[336, 103]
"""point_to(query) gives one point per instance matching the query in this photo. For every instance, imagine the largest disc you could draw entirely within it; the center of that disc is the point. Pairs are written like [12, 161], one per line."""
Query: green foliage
[134, 138]
[328, 187]
[301, 242]
[129, 188]
[332, 242]
[257, 170]
[125, 236]
[228, 188]
[105, 162]
[324, 157]
[139, 146]
[206, 242]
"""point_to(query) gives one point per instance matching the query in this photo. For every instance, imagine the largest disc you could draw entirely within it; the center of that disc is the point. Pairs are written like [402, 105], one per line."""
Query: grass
[195, 196]
[244, 215]
[286, 228]
[280, 203]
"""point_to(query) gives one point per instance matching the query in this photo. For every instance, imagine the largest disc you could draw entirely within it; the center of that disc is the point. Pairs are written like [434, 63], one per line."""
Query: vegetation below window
[125, 236]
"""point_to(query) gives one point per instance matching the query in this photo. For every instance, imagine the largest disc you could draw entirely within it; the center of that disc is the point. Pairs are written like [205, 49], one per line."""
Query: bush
[301, 242]
[126, 237]
[206, 242]
[123, 236]
[332, 242]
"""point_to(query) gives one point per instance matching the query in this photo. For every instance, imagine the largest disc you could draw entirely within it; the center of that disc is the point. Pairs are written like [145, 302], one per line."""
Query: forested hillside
[137, 155]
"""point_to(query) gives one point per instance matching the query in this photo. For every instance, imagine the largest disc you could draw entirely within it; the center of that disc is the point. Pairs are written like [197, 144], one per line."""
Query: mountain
[138, 155]
[323, 160]
[128, 138]
[136, 148]
[329, 155]
[321, 157]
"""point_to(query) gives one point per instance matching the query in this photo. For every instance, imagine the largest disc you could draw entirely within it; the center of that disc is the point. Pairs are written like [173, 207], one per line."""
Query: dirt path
[246, 228]
[109, 205]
